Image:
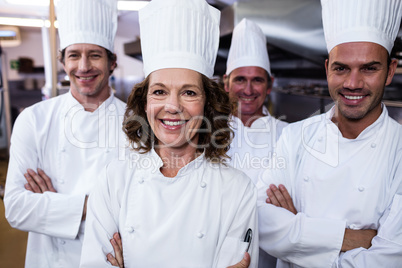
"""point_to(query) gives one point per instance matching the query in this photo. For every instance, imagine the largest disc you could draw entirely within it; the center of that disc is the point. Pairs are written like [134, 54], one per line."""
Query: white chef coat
[250, 151]
[72, 146]
[335, 183]
[253, 146]
[197, 219]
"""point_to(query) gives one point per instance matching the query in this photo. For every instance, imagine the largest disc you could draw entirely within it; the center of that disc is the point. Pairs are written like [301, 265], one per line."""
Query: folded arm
[40, 183]
[293, 236]
[360, 247]
[118, 261]
[49, 212]
[386, 246]
[280, 197]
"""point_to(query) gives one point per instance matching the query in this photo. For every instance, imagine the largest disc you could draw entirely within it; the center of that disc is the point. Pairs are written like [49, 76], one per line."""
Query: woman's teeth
[173, 123]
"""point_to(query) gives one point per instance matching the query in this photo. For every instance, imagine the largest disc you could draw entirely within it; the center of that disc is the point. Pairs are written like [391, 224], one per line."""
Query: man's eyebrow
[95, 51]
[90, 51]
[365, 64]
[372, 63]
[338, 64]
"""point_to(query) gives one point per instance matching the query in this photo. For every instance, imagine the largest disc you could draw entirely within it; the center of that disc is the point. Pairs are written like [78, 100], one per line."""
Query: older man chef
[248, 81]
[65, 141]
[343, 168]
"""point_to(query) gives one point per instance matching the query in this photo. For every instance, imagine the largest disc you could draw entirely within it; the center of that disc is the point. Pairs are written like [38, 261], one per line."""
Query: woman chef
[176, 204]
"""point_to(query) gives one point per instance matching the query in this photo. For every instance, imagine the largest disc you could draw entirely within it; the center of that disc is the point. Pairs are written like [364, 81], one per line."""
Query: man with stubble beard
[337, 201]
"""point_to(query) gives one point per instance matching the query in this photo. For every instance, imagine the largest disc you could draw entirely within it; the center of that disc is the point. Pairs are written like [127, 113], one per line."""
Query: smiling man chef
[59, 146]
[343, 168]
[248, 81]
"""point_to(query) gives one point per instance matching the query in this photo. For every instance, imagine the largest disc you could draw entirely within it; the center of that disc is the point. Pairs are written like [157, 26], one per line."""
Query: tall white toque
[248, 47]
[179, 34]
[88, 22]
[375, 21]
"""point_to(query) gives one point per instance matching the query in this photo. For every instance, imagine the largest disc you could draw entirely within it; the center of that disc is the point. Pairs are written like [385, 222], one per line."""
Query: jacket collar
[370, 131]
[73, 102]
[236, 121]
[154, 163]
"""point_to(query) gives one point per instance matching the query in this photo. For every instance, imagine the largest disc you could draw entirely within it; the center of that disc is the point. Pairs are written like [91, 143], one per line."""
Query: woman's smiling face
[175, 106]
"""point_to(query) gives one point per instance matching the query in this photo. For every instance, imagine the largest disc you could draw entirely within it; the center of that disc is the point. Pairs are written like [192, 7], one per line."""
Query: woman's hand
[244, 263]
[116, 260]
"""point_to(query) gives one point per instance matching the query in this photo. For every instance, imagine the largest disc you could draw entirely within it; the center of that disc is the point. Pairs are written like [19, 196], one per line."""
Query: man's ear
[391, 71]
[269, 89]
[326, 66]
[113, 66]
[226, 82]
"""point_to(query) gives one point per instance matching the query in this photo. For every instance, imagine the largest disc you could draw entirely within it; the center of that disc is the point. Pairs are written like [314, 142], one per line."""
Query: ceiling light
[131, 5]
[26, 22]
[121, 5]
[29, 2]
[10, 36]
[22, 22]
[7, 33]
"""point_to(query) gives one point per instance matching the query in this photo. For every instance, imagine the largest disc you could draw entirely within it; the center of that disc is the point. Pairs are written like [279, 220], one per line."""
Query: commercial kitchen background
[295, 42]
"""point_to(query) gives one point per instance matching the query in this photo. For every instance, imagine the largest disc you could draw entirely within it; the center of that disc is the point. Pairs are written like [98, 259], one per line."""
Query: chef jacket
[252, 147]
[335, 183]
[198, 218]
[71, 146]
[250, 151]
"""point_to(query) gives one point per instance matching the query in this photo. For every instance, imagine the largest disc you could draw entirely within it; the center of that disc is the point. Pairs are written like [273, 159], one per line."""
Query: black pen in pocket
[248, 238]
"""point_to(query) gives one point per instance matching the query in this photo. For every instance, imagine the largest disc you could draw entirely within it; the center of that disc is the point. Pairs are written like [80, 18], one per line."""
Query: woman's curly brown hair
[215, 134]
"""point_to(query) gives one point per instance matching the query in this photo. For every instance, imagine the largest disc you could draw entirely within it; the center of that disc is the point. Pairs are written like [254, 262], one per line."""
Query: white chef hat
[375, 21]
[179, 34]
[87, 21]
[248, 47]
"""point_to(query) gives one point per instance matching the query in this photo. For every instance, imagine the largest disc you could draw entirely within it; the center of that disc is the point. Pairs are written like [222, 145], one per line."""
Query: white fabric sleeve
[49, 213]
[305, 241]
[101, 224]
[233, 247]
[386, 248]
